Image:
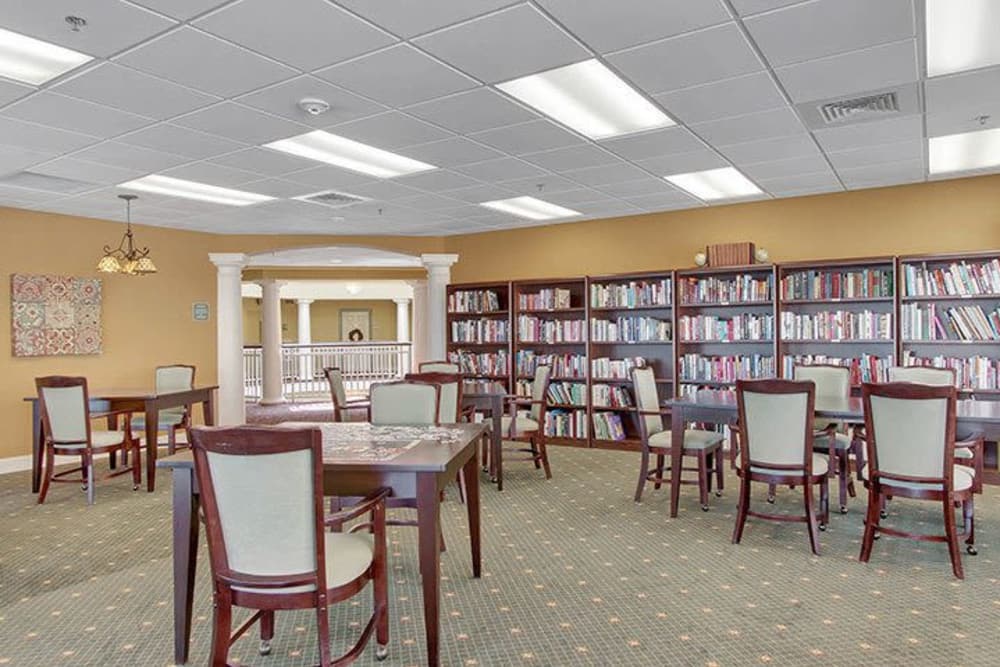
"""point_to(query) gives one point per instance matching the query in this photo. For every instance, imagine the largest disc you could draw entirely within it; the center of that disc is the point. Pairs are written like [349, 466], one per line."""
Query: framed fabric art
[54, 315]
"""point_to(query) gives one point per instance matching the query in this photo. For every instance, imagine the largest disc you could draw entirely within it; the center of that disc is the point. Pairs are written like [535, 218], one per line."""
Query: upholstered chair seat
[820, 466]
[525, 423]
[107, 438]
[694, 438]
[351, 555]
[841, 441]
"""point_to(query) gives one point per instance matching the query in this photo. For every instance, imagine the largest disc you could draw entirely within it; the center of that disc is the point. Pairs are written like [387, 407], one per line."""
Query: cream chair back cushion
[910, 435]
[449, 408]
[336, 379]
[266, 511]
[67, 413]
[538, 387]
[831, 382]
[647, 398]
[936, 377]
[403, 403]
[775, 428]
[172, 379]
[438, 367]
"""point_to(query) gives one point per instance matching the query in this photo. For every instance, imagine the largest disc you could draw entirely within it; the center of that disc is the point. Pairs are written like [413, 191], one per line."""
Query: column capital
[403, 301]
[270, 282]
[228, 260]
[438, 261]
[304, 302]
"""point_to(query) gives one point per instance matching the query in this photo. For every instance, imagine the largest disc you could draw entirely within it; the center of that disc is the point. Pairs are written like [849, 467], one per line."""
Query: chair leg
[771, 488]
[266, 631]
[843, 470]
[951, 535]
[969, 515]
[742, 507]
[807, 494]
[171, 440]
[660, 462]
[720, 473]
[643, 473]
[89, 472]
[136, 465]
[323, 632]
[335, 506]
[536, 455]
[544, 453]
[703, 481]
[871, 523]
[824, 504]
[221, 626]
[50, 463]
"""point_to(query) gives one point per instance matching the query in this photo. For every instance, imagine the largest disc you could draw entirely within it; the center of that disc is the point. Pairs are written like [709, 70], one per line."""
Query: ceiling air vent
[869, 106]
[332, 199]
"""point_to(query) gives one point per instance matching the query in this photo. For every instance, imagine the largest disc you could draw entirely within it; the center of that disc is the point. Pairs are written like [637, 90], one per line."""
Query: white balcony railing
[302, 367]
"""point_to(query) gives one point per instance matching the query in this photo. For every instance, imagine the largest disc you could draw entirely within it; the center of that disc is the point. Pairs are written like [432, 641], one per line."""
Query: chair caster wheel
[381, 653]
[876, 536]
[265, 647]
[135, 487]
[971, 550]
[718, 494]
[84, 488]
[704, 508]
[822, 527]
[883, 514]
[770, 499]
[843, 509]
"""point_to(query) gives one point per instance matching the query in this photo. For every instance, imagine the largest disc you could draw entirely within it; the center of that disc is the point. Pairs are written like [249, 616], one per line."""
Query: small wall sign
[199, 311]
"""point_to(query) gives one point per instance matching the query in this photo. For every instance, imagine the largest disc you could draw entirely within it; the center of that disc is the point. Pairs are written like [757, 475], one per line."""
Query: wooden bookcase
[631, 318]
[839, 312]
[726, 323]
[475, 321]
[550, 326]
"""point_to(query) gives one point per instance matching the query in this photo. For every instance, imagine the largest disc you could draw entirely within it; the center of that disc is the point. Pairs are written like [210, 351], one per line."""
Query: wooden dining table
[415, 462]
[720, 407]
[488, 397]
[136, 401]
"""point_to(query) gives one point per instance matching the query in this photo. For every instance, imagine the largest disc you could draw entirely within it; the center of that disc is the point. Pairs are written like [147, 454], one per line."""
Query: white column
[419, 347]
[402, 320]
[272, 390]
[230, 407]
[305, 338]
[438, 276]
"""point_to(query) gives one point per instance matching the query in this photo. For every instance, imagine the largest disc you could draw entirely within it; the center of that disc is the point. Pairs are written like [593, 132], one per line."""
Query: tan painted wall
[325, 320]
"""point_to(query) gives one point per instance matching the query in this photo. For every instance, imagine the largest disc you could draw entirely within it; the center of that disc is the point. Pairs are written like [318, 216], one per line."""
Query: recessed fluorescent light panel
[962, 35]
[176, 187]
[33, 61]
[589, 98]
[724, 183]
[353, 155]
[530, 208]
[965, 151]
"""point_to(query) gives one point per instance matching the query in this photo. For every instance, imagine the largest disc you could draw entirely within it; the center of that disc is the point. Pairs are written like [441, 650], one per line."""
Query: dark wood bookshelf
[500, 312]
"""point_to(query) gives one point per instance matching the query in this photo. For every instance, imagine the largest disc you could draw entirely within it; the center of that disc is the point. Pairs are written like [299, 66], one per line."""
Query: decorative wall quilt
[55, 315]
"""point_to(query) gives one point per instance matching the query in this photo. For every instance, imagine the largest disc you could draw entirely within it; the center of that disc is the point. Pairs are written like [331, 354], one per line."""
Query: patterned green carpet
[575, 573]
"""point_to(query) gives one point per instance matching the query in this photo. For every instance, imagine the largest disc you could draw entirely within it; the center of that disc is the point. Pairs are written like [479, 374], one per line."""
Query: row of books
[867, 368]
[610, 395]
[563, 365]
[473, 301]
[975, 372]
[481, 363]
[741, 288]
[826, 284]
[566, 423]
[708, 368]
[615, 369]
[608, 426]
[930, 322]
[726, 329]
[956, 279]
[568, 393]
[630, 330]
[531, 329]
[633, 294]
[836, 325]
[546, 299]
[480, 331]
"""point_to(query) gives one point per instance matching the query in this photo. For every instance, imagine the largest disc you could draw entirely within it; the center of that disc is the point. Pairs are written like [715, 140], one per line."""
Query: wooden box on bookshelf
[479, 330]
[720, 255]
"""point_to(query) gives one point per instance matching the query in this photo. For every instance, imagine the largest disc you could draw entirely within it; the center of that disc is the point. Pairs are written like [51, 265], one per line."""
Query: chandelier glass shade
[126, 258]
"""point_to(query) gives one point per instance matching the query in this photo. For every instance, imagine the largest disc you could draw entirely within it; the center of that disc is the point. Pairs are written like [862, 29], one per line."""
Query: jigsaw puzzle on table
[361, 441]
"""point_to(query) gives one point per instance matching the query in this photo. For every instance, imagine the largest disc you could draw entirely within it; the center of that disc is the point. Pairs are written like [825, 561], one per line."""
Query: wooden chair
[911, 453]
[705, 446]
[172, 378]
[405, 402]
[65, 409]
[262, 501]
[528, 425]
[450, 410]
[438, 367]
[341, 405]
[969, 448]
[776, 440]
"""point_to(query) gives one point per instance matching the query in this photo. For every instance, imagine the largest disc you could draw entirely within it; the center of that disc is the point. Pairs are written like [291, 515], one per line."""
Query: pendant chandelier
[126, 258]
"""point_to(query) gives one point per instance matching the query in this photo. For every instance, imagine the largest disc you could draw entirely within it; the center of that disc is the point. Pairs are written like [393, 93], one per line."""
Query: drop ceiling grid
[426, 218]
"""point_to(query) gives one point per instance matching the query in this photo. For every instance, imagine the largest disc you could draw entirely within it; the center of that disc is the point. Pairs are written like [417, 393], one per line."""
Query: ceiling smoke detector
[314, 106]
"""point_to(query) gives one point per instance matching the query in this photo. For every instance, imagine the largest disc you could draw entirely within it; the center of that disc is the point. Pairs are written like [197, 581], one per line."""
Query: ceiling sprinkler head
[314, 106]
[76, 23]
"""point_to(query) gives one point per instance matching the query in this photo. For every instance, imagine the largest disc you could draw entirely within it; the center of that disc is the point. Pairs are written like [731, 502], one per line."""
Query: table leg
[37, 446]
[676, 457]
[152, 440]
[429, 536]
[185, 559]
[208, 409]
[472, 506]
[496, 442]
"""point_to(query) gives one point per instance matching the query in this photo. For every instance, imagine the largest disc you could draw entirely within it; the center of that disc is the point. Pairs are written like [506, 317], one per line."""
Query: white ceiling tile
[785, 193]
[574, 157]
[128, 90]
[10, 91]
[91, 172]
[606, 174]
[825, 27]
[264, 161]
[888, 173]
[688, 60]
[955, 122]
[195, 59]
[761, 125]
[384, 191]
[481, 193]
[472, 111]
[550, 183]
[859, 135]
[666, 201]
[781, 168]
[326, 177]
[683, 163]
[437, 180]
[212, 174]
[69, 113]
[240, 123]
[871, 155]
[505, 45]
[180, 140]
[638, 188]
[15, 158]
[119, 154]
[530, 137]
[112, 25]
[38, 137]
[610, 26]
[452, 152]
[407, 18]
[181, 9]
[276, 187]
[776, 148]
[390, 130]
[851, 73]
[609, 209]
[398, 76]
[968, 91]
[504, 169]
[282, 99]
[56, 185]
[572, 198]
[305, 33]
[748, 7]
[798, 183]
[22, 198]
[431, 203]
[731, 97]
[655, 143]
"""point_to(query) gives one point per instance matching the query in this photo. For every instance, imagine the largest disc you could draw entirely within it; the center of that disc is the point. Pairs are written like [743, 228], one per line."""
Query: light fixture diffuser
[962, 35]
[33, 61]
[589, 98]
[724, 183]
[964, 152]
[354, 155]
[530, 208]
[176, 187]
